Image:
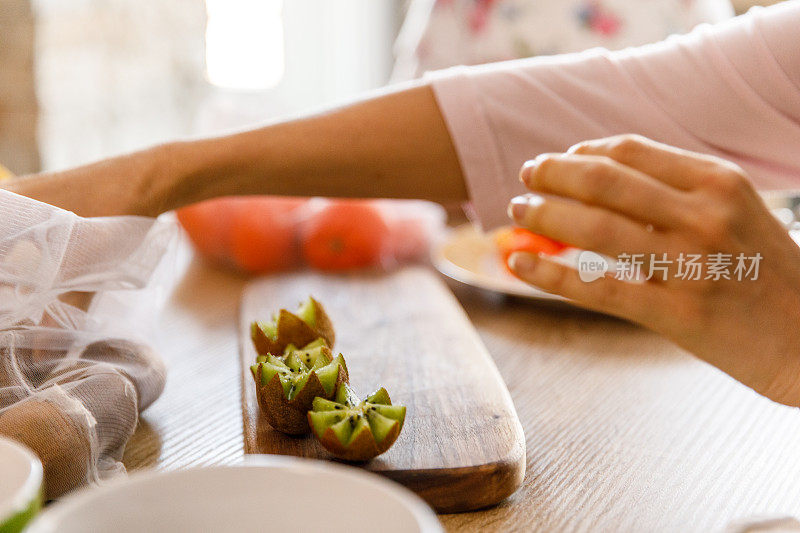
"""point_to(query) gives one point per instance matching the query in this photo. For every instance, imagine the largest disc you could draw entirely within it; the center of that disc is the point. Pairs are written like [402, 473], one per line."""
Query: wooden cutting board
[462, 445]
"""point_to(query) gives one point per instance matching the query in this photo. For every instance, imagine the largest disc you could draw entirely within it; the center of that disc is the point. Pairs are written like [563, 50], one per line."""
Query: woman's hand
[628, 195]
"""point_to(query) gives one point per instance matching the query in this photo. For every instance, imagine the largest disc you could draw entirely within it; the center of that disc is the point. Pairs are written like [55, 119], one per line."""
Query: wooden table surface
[624, 431]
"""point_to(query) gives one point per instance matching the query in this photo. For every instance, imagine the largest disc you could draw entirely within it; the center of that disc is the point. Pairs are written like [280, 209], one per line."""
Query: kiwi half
[356, 430]
[287, 385]
[308, 323]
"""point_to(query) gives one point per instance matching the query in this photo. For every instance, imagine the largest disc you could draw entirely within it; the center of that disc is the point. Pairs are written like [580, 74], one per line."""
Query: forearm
[393, 145]
[730, 90]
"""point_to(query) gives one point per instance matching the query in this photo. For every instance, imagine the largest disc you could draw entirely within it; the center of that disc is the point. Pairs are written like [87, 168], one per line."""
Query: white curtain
[118, 75]
[333, 50]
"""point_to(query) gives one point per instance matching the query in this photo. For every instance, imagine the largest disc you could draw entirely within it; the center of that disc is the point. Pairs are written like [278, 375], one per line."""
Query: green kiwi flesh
[294, 370]
[308, 313]
[270, 329]
[379, 396]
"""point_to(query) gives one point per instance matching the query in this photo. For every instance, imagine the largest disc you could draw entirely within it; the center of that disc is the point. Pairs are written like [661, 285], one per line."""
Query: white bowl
[269, 494]
[20, 485]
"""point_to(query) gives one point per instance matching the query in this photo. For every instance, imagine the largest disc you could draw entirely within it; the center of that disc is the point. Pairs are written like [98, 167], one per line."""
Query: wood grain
[462, 445]
[625, 432]
[197, 421]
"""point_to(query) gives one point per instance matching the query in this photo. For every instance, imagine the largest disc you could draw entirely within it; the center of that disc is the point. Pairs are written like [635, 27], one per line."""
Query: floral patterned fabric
[468, 32]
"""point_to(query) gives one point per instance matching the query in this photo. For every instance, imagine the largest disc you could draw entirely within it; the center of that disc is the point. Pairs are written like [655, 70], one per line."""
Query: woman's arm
[731, 90]
[395, 144]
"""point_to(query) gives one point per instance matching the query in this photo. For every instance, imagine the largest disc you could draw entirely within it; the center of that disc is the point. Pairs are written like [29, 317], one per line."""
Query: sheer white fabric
[71, 383]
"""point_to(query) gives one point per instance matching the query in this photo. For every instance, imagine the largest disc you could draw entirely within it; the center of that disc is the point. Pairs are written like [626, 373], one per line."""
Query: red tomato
[514, 239]
[255, 232]
[264, 234]
[208, 225]
[345, 234]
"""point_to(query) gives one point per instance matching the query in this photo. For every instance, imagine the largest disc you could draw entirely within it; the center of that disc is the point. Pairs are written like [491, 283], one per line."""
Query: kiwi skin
[290, 416]
[291, 329]
[360, 450]
[323, 325]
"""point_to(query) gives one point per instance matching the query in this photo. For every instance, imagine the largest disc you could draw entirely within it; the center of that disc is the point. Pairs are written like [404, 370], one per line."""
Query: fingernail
[522, 262]
[527, 169]
[517, 208]
[519, 205]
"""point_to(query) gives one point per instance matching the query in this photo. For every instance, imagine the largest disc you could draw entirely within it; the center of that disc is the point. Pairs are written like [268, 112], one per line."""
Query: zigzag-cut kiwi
[356, 430]
[307, 324]
[287, 385]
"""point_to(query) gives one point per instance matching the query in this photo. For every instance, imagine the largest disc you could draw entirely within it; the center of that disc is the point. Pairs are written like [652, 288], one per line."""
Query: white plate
[20, 485]
[470, 256]
[270, 493]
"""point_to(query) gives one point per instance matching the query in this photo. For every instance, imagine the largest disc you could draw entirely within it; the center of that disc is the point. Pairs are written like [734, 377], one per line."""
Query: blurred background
[85, 79]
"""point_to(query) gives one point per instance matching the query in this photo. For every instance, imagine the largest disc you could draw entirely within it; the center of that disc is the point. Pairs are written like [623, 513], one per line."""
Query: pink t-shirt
[732, 89]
